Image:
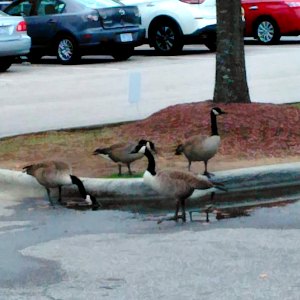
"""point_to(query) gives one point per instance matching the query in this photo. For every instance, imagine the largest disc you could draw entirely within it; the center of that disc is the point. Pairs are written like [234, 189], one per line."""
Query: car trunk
[122, 16]
[7, 28]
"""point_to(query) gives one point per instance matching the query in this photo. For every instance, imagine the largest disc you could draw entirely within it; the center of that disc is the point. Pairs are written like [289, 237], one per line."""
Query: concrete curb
[259, 184]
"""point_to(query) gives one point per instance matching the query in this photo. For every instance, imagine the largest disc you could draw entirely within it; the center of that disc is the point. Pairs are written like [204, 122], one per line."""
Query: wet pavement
[64, 253]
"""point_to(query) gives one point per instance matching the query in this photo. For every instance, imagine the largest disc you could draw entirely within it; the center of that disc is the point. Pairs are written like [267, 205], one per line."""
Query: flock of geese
[176, 184]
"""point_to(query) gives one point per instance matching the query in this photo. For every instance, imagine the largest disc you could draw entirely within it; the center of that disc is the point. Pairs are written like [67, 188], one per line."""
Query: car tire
[165, 36]
[122, 53]
[67, 50]
[267, 31]
[5, 63]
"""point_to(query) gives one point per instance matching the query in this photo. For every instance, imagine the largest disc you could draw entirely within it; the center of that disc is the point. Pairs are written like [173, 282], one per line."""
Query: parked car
[4, 4]
[14, 40]
[171, 24]
[72, 28]
[268, 20]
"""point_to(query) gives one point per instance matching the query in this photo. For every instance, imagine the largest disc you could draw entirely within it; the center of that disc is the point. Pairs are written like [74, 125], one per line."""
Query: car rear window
[100, 3]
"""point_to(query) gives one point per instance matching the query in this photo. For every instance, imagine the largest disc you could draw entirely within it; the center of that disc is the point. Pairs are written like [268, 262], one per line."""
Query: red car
[268, 20]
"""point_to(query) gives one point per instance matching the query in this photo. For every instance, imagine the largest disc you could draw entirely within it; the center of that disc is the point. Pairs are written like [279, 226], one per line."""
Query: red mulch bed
[248, 130]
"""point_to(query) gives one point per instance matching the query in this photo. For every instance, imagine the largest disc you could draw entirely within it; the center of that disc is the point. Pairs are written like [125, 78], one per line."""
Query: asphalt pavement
[99, 91]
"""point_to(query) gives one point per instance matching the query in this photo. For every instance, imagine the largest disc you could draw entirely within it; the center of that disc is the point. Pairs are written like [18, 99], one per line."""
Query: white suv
[171, 24]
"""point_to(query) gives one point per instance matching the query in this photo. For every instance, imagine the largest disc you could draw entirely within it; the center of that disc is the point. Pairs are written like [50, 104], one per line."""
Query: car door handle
[51, 21]
[253, 7]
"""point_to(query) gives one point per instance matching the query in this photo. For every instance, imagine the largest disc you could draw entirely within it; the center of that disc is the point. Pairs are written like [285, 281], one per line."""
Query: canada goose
[55, 174]
[121, 154]
[177, 184]
[202, 148]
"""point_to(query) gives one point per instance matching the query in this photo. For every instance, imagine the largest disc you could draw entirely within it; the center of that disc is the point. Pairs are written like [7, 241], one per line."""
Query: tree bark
[231, 80]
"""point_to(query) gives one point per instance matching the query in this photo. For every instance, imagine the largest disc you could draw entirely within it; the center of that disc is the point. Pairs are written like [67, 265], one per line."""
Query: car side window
[22, 8]
[51, 7]
[36, 8]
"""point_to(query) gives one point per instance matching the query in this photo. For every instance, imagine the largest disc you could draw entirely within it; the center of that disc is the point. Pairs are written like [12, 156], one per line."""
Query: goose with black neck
[200, 147]
[178, 185]
[55, 174]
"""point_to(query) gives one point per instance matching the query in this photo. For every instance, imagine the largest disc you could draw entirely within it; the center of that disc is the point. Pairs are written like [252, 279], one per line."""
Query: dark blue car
[72, 28]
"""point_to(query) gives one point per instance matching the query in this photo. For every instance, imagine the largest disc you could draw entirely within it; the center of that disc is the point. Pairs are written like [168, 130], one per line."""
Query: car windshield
[99, 3]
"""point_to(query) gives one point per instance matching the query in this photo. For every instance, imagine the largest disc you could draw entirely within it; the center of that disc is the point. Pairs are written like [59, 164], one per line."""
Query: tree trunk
[231, 80]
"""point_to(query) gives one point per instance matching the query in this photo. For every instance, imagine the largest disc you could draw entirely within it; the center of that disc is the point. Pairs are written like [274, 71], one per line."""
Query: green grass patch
[125, 176]
[296, 104]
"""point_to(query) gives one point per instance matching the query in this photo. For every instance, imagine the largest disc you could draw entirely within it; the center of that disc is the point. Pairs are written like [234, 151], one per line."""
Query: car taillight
[22, 26]
[192, 1]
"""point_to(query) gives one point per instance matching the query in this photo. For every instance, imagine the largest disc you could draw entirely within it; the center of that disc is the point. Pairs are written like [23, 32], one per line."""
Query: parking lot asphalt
[100, 91]
[68, 254]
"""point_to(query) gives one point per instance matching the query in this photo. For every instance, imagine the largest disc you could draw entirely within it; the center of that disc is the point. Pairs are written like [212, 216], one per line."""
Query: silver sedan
[14, 40]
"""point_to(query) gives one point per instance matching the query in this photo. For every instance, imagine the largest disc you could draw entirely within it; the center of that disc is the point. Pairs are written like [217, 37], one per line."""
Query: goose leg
[49, 197]
[129, 170]
[176, 210]
[120, 170]
[183, 210]
[59, 194]
[207, 216]
[206, 173]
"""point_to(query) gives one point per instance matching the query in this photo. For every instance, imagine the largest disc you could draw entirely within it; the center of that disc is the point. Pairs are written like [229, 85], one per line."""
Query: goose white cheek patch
[88, 200]
[215, 112]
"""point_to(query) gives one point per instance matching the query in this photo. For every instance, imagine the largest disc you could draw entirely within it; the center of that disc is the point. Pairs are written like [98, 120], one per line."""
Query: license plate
[126, 37]
[3, 30]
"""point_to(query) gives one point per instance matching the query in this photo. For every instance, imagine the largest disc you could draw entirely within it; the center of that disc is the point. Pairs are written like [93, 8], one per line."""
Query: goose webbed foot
[95, 207]
[208, 174]
[174, 218]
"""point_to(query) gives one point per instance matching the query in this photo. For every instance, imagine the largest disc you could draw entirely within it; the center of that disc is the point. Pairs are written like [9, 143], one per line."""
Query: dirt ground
[251, 135]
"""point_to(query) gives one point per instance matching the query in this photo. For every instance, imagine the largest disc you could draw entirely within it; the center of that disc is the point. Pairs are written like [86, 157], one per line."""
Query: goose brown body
[202, 147]
[55, 174]
[176, 184]
[50, 174]
[121, 154]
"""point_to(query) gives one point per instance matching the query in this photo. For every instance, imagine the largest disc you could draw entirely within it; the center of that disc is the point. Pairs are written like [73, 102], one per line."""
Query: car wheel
[122, 53]
[67, 50]
[267, 31]
[5, 63]
[166, 37]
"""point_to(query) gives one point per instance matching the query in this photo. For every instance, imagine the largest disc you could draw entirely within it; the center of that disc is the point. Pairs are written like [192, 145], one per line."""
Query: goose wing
[118, 146]
[123, 153]
[195, 143]
[180, 184]
[43, 171]
[32, 169]
[190, 179]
